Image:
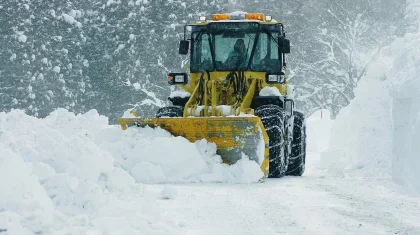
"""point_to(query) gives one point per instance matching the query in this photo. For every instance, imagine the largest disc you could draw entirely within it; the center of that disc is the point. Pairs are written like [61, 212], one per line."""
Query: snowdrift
[378, 134]
[405, 95]
[86, 147]
[75, 173]
[361, 134]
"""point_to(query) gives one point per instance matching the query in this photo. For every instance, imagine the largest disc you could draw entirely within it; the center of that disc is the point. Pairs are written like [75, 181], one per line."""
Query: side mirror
[284, 45]
[184, 46]
[289, 106]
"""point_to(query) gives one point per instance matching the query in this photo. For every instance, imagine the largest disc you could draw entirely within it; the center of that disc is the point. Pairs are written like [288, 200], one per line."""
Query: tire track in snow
[376, 205]
[293, 205]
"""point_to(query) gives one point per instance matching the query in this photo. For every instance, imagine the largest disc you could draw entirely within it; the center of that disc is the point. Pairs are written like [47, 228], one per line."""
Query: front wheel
[272, 117]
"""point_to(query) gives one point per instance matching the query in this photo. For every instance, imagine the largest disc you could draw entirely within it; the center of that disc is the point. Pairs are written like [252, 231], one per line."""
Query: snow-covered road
[76, 174]
[317, 203]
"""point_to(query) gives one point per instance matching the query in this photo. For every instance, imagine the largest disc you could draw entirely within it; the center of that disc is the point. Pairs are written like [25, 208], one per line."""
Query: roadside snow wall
[378, 133]
[361, 134]
[406, 111]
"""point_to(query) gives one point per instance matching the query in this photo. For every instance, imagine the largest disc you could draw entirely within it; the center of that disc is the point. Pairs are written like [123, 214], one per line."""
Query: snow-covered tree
[346, 38]
[112, 55]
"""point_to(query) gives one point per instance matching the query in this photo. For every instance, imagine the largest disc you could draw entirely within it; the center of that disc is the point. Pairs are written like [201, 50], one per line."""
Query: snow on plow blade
[232, 135]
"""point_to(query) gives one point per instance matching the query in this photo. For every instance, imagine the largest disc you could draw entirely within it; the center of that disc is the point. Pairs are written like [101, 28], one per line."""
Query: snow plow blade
[232, 135]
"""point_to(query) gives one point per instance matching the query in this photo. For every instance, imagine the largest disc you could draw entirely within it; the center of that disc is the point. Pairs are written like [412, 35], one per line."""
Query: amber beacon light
[220, 17]
[254, 16]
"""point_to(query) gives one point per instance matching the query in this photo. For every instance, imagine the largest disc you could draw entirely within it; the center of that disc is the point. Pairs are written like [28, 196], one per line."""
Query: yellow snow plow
[236, 93]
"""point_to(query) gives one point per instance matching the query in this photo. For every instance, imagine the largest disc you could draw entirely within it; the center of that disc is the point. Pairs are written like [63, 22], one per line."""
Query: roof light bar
[202, 18]
[254, 16]
[216, 17]
[268, 18]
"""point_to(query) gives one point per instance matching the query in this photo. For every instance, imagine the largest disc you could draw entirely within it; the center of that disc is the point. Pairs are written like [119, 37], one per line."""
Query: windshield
[266, 55]
[233, 43]
[231, 46]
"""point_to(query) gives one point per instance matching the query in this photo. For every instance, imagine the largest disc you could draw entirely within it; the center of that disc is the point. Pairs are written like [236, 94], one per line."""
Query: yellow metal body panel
[220, 76]
[217, 90]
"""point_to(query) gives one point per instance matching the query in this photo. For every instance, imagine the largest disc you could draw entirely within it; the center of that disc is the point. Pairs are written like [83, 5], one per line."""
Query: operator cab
[227, 43]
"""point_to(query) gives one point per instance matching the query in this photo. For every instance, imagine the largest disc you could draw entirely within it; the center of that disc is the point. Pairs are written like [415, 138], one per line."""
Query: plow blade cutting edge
[232, 135]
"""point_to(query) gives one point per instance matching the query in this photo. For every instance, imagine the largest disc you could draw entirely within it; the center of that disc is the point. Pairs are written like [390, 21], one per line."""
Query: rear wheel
[171, 111]
[272, 117]
[298, 156]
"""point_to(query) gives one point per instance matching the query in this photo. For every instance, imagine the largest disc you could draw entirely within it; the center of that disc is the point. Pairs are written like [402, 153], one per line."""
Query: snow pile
[86, 147]
[53, 175]
[23, 200]
[270, 91]
[72, 174]
[380, 130]
[406, 111]
[361, 136]
[182, 94]
[237, 15]
[154, 156]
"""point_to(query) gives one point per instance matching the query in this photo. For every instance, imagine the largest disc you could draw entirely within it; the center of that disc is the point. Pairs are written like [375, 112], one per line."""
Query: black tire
[171, 111]
[298, 155]
[272, 117]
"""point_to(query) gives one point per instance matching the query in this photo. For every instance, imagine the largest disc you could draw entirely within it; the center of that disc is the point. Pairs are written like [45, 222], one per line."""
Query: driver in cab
[237, 59]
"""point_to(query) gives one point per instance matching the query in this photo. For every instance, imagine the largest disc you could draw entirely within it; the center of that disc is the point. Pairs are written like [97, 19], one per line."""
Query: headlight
[274, 78]
[177, 78]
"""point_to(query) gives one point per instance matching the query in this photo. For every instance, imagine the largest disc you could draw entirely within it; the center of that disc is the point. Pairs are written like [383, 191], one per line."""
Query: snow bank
[378, 134]
[270, 91]
[406, 111]
[361, 135]
[72, 174]
[23, 200]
